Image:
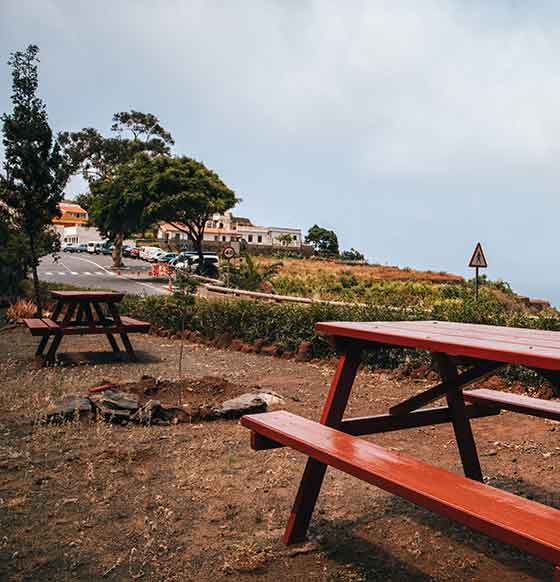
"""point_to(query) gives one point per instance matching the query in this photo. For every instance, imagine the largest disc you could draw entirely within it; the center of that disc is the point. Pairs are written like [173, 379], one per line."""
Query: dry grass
[22, 309]
[381, 272]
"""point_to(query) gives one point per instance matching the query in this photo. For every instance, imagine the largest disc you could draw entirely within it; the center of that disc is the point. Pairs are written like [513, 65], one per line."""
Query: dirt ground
[95, 501]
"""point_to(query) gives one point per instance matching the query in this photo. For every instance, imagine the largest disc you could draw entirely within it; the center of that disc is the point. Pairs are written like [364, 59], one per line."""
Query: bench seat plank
[526, 524]
[39, 327]
[514, 402]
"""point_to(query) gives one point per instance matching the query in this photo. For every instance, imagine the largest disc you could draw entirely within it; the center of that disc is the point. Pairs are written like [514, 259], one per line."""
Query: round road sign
[228, 252]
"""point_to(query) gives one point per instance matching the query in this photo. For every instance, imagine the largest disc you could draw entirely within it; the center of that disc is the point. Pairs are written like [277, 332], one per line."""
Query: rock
[195, 336]
[148, 412]
[236, 344]
[67, 408]
[258, 345]
[121, 400]
[270, 351]
[271, 398]
[224, 340]
[173, 414]
[287, 355]
[248, 403]
[248, 348]
[304, 353]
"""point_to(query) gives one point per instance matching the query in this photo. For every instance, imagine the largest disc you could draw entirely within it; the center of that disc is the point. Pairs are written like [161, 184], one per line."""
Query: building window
[250, 238]
[177, 236]
[216, 237]
[223, 238]
[259, 238]
[221, 225]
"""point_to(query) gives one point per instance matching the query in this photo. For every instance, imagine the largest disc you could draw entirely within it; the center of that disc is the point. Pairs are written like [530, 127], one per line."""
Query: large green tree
[323, 240]
[35, 167]
[185, 193]
[104, 160]
[117, 206]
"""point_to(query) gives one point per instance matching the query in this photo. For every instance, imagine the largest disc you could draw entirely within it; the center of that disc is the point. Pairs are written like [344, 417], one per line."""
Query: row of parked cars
[98, 248]
[186, 260]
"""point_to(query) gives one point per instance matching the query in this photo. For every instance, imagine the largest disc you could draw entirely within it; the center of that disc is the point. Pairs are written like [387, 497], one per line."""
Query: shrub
[21, 309]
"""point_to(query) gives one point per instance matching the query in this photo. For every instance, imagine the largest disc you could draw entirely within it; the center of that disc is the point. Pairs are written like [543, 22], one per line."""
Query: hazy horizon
[413, 130]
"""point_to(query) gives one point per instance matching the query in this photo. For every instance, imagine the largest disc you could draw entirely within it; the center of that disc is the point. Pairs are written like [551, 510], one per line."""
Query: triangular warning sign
[478, 259]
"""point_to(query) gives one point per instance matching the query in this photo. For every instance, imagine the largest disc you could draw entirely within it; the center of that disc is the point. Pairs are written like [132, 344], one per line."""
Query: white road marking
[99, 273]
[74, 273]
[61, 273]
[48, 273]
[86, 273]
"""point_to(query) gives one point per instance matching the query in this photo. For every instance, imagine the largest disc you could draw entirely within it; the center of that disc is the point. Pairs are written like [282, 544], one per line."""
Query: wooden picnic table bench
[85, 313]
[334, 441]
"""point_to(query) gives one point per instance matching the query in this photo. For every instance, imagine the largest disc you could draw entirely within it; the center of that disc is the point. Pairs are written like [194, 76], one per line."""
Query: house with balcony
[227, 228]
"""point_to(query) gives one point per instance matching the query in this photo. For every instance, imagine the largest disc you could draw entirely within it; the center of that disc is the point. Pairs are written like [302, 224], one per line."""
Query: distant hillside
[377, 272]
[391, 285]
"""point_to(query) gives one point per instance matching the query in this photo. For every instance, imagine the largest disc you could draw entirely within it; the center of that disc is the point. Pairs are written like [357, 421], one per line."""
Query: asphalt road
[93, 271]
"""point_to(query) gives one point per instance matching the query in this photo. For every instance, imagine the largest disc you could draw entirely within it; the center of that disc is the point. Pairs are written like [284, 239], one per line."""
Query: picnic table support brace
[459, 418]
[314, 472]
[124, 336]
[557, 574]
[110, 337]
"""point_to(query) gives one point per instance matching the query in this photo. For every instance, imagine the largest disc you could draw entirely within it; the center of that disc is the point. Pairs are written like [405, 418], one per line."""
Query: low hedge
[287, 325]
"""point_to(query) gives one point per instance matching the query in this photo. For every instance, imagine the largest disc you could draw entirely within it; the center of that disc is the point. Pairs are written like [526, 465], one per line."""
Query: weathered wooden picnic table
[85, 313]
[464, 354]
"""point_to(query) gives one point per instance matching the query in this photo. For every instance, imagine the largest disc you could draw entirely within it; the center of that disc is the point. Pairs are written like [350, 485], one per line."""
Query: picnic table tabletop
[104, 296]
[526, 347]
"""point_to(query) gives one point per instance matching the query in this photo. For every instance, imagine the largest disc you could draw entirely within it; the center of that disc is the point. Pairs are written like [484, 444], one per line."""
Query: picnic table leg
[110, 336]
[45, 339]
[459, 419]
[128, 347]
[314, 472]
[51, 354]
[557, 574]
[124, 336]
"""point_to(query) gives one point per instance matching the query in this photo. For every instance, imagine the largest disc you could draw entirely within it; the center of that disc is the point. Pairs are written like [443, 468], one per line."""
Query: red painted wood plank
[515, 403]
[541, 338]
[80, 296]
[405, 335]
[526, 524]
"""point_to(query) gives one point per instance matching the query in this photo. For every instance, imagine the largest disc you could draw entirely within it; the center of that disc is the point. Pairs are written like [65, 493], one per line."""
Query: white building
[226, 228]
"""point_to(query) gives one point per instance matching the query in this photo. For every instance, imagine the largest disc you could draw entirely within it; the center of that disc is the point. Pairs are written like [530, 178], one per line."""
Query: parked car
[134, 253]
[69, 248]
[145, 252]
[107, 249]
[190, 263]
[166, 257]
[126, 250]
[82, 248]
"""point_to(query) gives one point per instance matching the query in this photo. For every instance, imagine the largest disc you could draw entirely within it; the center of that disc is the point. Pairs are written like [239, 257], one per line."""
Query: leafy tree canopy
[36, 168]
[97, 157]
[352, 255]
[324, 241]
[185, 193]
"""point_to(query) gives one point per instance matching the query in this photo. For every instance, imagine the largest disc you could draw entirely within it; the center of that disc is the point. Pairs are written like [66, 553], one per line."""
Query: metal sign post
[228, 253]
[478, 261]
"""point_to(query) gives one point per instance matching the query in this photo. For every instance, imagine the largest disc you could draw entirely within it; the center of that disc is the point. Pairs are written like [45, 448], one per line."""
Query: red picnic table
[85, 313]
[464, 354]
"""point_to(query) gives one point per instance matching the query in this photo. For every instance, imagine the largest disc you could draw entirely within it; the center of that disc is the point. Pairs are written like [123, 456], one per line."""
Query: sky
[413, 129]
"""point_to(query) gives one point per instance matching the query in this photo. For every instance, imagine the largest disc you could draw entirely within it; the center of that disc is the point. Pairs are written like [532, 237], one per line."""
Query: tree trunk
[117, 251]
[36, 284]
[198, 248]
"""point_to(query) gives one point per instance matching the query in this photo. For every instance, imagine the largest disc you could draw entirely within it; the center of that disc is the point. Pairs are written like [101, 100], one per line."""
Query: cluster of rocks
[113, 405]
[303, 353]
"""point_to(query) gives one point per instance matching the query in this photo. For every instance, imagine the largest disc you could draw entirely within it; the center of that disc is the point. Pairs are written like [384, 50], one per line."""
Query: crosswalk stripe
[61, 273]
[74, 273]
[99, 273]
[86, 273]
[48, 273]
